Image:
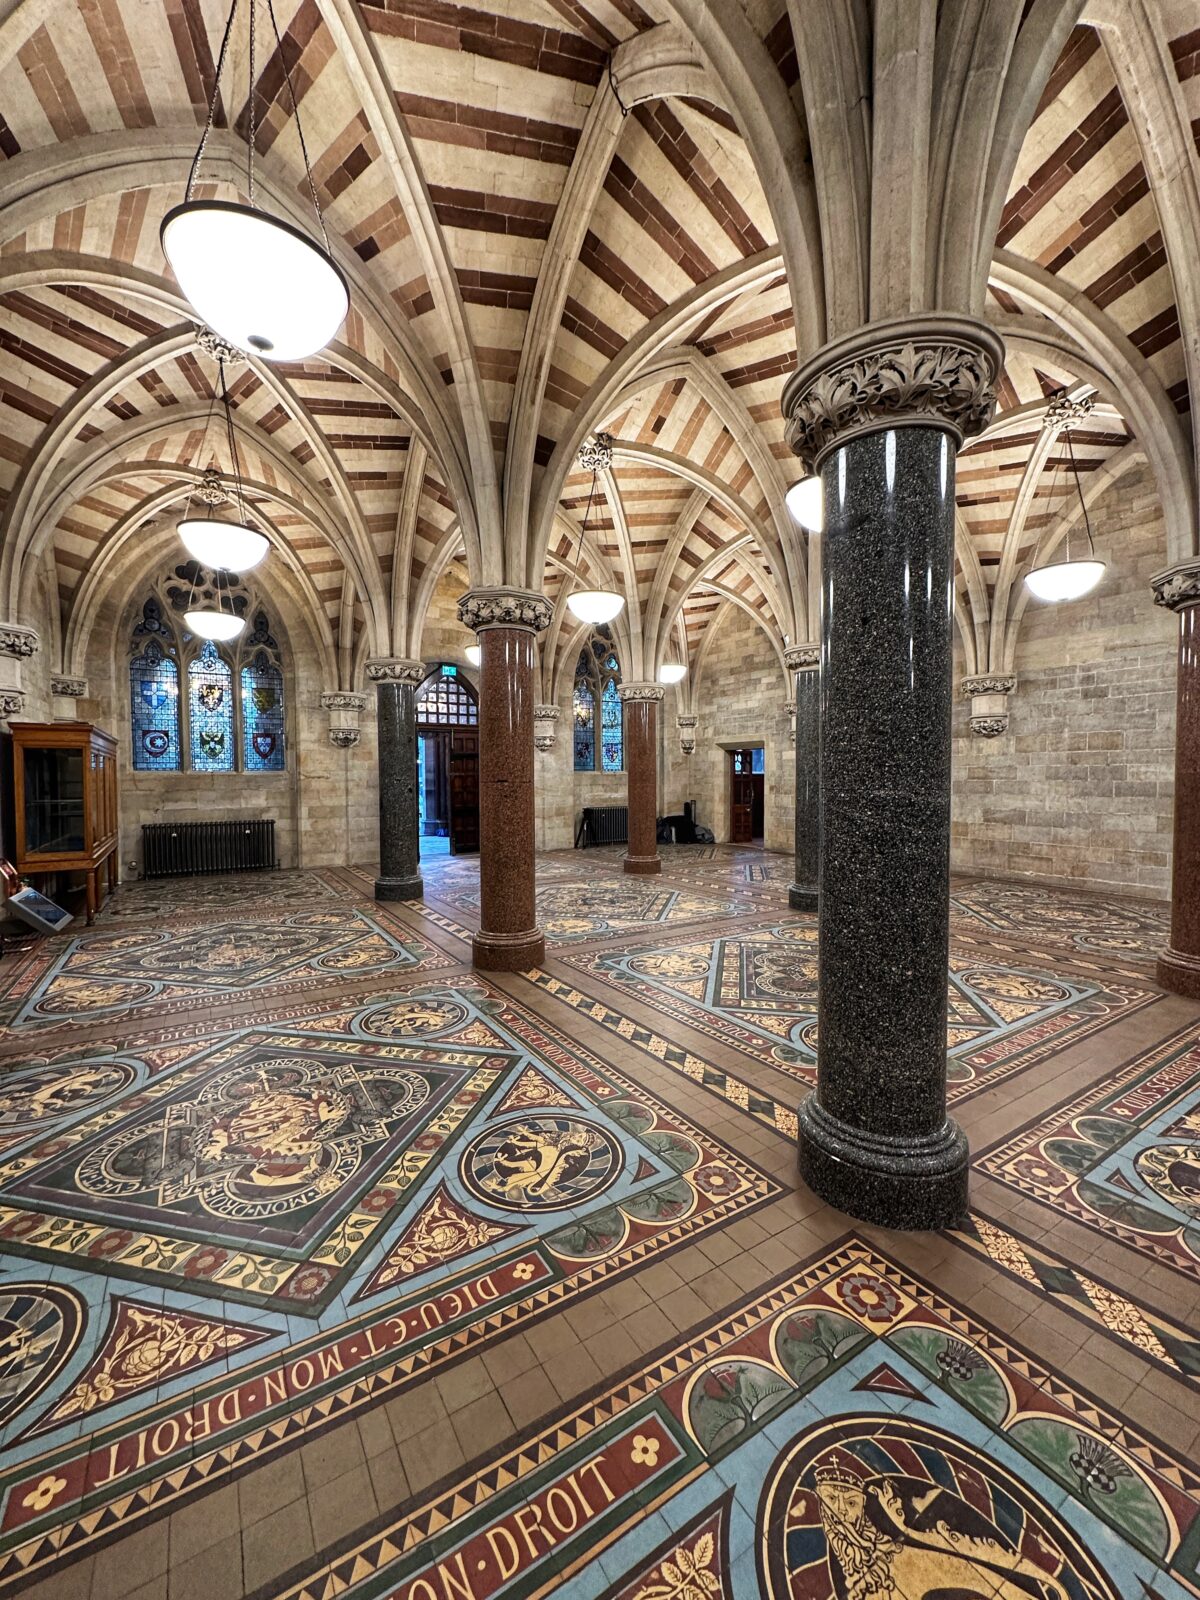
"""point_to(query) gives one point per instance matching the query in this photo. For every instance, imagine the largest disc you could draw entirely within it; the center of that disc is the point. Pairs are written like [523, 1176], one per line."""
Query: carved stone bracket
[988, 693]
[930, 371]
[342, 701]
[12, 702]
[344, 738]
[68, 688]
[687, 732]
[218, 348]
[396, 669]
[344, 706]
[1177, 587]
[989, 683]
[802, 657]
[640, 691]
[596, 453]
[790, 707]
[545, 729]
[17, 641]
[505, 608]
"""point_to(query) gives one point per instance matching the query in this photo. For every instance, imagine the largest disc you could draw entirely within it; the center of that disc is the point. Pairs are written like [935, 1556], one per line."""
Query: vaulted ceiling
[559, 216]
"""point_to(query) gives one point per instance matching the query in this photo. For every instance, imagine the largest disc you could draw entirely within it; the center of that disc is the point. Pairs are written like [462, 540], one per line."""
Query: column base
[909, 1183]
[802, 898]
[508, 952]
[400, 888]
[644, 866]
[1179, 972]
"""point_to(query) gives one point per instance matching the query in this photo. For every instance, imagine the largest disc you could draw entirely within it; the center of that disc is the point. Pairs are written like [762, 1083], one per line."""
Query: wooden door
[741, 797]
[464, 790]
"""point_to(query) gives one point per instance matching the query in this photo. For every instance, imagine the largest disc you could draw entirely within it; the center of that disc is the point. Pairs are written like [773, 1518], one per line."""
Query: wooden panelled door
[464, 790]
[741, 797]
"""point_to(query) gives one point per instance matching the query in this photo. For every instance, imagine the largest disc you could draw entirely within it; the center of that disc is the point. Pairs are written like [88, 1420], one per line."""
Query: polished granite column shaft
[396, 682]
[506, 622]
[640, 702]
[1179, 964]
[880, 414]
[804, 660]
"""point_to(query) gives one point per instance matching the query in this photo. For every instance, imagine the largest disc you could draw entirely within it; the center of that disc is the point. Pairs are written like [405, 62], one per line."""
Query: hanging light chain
[212, 103]
[287, 73]
[252, 107]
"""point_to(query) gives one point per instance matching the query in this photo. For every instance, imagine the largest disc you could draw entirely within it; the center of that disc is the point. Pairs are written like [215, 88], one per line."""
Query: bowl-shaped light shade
[806, 502]
[672, 672]
[256, 281]
[595, 605]
[230, 545]
[473, 654]
[1064, 580]
[213, 624]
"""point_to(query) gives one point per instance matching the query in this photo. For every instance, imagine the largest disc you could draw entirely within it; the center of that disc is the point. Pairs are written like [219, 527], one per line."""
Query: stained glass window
[210, 711]
[262, 715]
[610, 728]
[584, 723]
[154, 705]
[445, 700]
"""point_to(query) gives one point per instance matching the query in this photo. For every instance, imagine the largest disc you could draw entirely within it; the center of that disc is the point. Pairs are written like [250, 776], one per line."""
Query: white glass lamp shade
[213, 624]
[595, 605]
[258, 282]
[672, 672]
[230, 545]
[806, 502]
[1064, 580]
[473, 654]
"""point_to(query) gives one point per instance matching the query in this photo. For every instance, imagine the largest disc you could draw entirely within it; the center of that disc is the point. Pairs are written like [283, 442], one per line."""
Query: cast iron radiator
[602, 825]
[170, 849]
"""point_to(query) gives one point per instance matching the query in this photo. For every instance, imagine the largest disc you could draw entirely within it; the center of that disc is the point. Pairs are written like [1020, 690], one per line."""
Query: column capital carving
[68, 688]
[989, 683]
[396, 669]
[546, 713]
[505, 608]
[341, 700]
[800, 657]
[989, 727]
[17, 641]
[640, 691]
[687, 720]
[936, 370]
[1178, 586]
[545, 727]
[12, 702]
[344, 738]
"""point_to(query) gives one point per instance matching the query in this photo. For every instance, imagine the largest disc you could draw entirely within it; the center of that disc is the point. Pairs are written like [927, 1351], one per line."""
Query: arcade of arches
[636, 1134]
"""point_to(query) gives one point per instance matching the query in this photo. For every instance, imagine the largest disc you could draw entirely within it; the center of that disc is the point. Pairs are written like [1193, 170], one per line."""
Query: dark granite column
[880, 415]
[804, 661]
[396, 683]
[640, 702]
[1179, 964]
[507, 622]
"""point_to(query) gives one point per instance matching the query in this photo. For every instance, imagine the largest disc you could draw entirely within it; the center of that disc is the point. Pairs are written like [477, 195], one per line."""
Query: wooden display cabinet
[65, 782]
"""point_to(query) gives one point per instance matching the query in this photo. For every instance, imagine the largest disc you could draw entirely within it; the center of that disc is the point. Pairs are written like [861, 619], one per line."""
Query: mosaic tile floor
[329, 1267]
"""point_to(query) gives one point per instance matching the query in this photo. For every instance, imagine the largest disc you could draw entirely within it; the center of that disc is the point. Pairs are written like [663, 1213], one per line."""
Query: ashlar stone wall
[1079, 790]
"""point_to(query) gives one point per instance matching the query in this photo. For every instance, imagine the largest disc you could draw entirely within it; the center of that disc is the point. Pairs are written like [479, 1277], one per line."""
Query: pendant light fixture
[219, 625]
[1068, 579]
[593, 605]
[474, 655]
[806, 502]
[672, 672]
[229, 542]
[256, 280]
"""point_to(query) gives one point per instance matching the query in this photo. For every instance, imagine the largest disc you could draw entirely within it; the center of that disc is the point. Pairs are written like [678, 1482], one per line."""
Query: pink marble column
[1179, 964]
[507, 622]
[640, 702]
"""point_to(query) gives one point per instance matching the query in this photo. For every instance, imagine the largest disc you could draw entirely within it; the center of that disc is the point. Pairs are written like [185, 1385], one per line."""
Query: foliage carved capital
[1177, 587]
[802, 657]
[990, 683]
[342, 701]
[68, 688]
[16, 640]
[641, 692]
[929, 371]
[396, 669]
[505, 608]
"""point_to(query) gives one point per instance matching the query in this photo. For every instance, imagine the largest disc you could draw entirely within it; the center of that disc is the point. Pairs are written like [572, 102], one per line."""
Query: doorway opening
[447, 763]
[747, 795]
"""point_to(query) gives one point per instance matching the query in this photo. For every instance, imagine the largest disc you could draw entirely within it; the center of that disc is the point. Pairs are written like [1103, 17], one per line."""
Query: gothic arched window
[596, 701]
[231, 717]
[210, 711]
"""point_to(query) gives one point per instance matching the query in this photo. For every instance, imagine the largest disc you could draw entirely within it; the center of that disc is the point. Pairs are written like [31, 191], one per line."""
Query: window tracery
[596, 707]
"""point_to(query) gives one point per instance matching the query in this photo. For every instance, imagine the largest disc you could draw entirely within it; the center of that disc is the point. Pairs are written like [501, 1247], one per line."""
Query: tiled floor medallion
[574, 911]
[758, 992]
[72, 979]
[846, 1434]
[1105, 925]
[1123, 1157]
[279, 1230]
[244, 892]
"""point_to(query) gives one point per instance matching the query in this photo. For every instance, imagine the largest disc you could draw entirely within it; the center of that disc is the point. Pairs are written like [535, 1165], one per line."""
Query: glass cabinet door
[54, 820]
